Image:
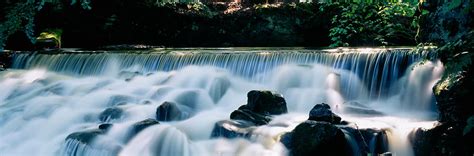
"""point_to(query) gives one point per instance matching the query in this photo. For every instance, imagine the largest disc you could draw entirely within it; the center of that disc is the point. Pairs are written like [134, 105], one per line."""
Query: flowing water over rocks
[181, 101]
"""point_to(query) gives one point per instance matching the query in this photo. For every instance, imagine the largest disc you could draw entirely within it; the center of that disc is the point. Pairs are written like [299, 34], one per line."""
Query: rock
[359, 109]
[5, 60]
[266, 102]
[105, 126]
[218, 88]
[316, 138]
[377, 140]
[117, 100]
[87, 136]
[444, 139]
[78, 143]
[232, 129]
[469, 129]
[247, 115]
[110, 114]
[170, 111]
[358, 145]
[260, 106]
[322, 112]
[139, 126]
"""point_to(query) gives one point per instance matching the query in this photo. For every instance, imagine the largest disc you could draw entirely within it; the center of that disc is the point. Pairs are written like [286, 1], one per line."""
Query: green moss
[51, 34]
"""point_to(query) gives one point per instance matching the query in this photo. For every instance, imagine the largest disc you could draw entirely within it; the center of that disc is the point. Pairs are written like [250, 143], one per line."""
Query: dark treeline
[191, 24]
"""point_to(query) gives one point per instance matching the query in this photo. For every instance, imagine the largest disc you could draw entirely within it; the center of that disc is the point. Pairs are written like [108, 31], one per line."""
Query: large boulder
[322, 112]
[170, 111]
[444, 139]
[316, 138]
[260, 106]
[266, 102]
[232, 129]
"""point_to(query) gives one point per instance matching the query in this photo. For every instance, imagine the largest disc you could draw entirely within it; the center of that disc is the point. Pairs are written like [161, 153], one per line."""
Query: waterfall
[48, 96]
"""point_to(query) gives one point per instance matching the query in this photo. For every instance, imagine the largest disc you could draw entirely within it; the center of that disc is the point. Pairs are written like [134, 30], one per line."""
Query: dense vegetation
[98, 23]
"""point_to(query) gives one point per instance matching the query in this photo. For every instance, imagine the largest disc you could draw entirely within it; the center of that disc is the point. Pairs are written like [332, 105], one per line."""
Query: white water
[40, 107]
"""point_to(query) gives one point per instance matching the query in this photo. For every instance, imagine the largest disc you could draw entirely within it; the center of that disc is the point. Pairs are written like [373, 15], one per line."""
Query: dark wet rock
[78, 143]
[376, 139]
[140, 126]
[266, 102]
[316, 138]
[247, 115]
[232, 129]
[110, 114]
[218, 88]
[260, 106]
[87, 136]
[358, 145]
[322, 112]
[445, 139]
[5, 60]
[105, 126]
[359, 109]
[170, 111]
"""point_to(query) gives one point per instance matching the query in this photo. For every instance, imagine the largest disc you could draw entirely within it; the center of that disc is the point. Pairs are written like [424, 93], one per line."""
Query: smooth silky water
[46, 97]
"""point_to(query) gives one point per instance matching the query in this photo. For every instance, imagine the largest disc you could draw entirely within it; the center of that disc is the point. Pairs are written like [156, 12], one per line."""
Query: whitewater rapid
[42, 103]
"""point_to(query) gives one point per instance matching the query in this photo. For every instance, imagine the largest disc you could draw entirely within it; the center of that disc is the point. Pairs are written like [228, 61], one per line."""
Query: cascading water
[46, 97]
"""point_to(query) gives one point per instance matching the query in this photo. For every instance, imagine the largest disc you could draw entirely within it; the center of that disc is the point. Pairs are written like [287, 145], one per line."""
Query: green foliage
[457, 57]
[53, 34]
[373, 24]
[20, 16]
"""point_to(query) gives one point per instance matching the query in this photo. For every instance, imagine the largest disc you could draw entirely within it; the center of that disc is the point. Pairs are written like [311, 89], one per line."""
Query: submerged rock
[322, 112]
[315, 138]
[170, 111]
[87, 136]
[139, 126]
[359, 109]
[79, 143]
[117, 100]
[218, 88]
[129, 75]
[260, 106]
[232, 129]
[110, 114]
